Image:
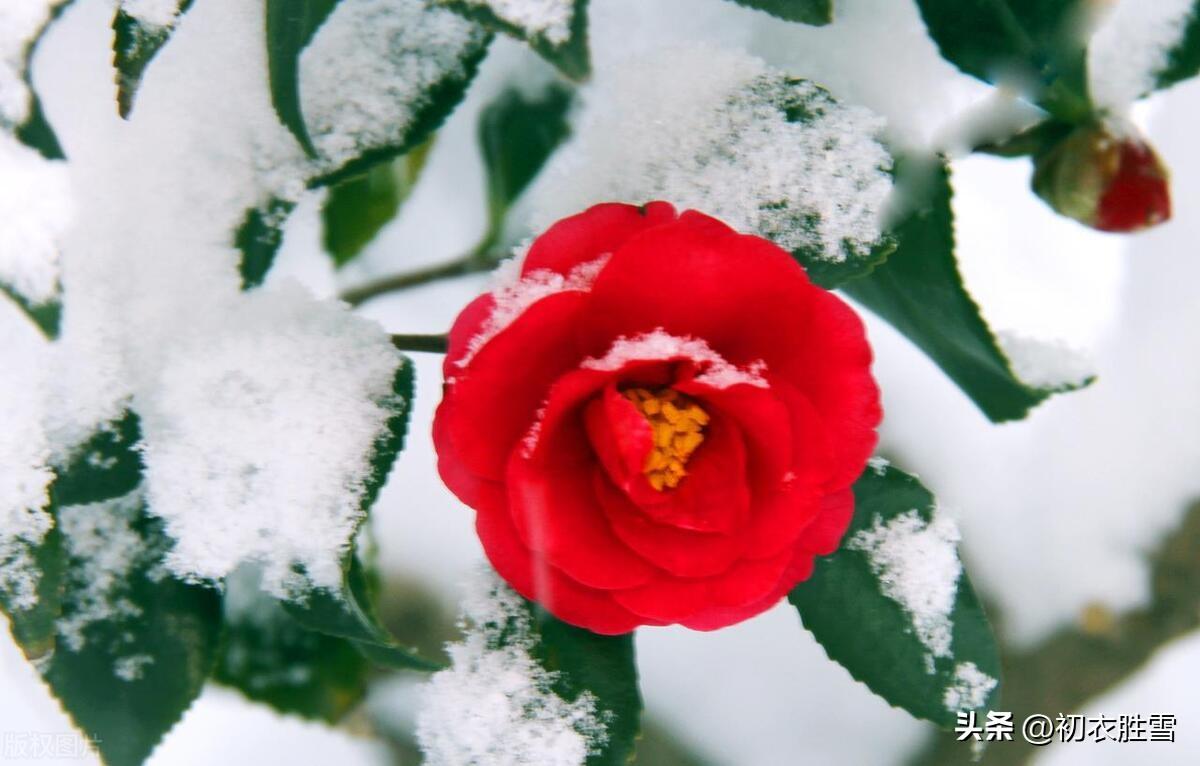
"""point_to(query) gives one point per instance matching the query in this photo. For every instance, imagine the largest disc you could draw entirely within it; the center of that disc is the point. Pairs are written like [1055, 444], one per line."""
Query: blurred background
[1079, 524]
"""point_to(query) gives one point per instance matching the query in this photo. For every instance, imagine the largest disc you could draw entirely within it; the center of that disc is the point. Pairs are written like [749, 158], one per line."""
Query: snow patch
[878, 464]
[152, 13]
[969, 688]
[20, 22]
[659, 344]
[1046, 364]
[132, 668]
[708, 128]
[548, 19]
[35, 208]
[495, 705]
[364, 76]
[1131, 47]
[918, 568]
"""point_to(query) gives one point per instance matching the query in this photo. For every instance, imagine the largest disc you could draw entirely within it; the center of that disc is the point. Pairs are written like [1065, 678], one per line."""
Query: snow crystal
[969, 689]
[550, 19]
[918, 568]
[1130, 48]
[1046, 364]
[20, 23]
[513, 294]
[24, 475]
[708, 128]
[35, 207]
[104, 549]
[152, 13]
[132, 667]
[256, 438]
[495, 705]
[659, 344]
[364, 74]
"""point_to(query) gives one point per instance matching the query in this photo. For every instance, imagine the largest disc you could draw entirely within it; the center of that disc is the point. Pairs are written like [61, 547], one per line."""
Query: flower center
[678, 425]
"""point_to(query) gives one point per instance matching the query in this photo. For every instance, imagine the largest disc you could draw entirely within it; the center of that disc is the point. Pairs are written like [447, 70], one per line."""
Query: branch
[468, 264]
[1076, 664]
[434, 344]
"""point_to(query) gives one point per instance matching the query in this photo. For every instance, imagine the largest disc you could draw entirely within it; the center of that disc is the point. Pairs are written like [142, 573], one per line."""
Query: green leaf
[350, 612]
[47, 316]
[602, 665]
[1183, 61]
[517, 134]
[358, 208]
[134, 44]
[259, 238]
[271, 658]
[33, 625]
[35, 132]
[1037, 44]
[291, 25]
[134, 644]
[920, 292]
[566, 49]
[845, 607]
[815, 12]
[105, 467]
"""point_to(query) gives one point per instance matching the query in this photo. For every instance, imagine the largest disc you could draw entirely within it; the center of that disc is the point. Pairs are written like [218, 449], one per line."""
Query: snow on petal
[716, 371]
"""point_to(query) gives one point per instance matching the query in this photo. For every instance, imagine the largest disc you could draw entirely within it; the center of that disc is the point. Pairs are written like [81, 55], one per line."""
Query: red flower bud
[1108, 181]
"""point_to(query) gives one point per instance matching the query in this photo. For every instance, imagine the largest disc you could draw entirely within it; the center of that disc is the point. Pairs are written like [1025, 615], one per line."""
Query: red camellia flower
[657, 421]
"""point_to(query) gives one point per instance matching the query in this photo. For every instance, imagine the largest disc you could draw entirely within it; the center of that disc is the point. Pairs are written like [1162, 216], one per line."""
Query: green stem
[481, 258]
[434, 344]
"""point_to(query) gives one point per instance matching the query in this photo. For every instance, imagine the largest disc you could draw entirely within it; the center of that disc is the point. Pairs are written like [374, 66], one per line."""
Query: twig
[468, 264]
[434, 344]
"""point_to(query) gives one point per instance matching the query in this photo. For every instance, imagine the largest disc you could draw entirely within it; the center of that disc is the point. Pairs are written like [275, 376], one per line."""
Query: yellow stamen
[677, 424]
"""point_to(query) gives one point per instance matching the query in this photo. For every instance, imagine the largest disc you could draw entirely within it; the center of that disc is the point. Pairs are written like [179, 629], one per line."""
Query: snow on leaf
[36, 208]
[970, 688]
[724, 133]
[1132, 48]
[1048, 365]
[496, 704]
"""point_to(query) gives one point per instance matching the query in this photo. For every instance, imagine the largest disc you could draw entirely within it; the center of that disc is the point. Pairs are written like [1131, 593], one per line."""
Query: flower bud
[1108, 181]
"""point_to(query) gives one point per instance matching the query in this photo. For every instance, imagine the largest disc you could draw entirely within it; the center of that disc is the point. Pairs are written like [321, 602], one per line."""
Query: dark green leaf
[271, 658]
[33, 624]
[35, 132]
[815, 12]
[920, 292]
[1183, 61]
[47, 316]
[135, 645]
[569, 55]
[291, 25]
[873, 636]
[105, 467]
[357, 208]
[517, 134]
[134, 44]
[1037, 44]
[602, 665]
[259, 238]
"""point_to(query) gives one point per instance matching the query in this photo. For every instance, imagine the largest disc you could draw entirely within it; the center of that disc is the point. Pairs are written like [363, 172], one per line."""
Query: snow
[36, 208]
[918, 568]
[363, 75]
[254, 438]
[878, 464]
[549, 19]
[969, 689]
[495, 705]
[1130, 48]
[1046, 364]
[19, 24]
[131, 667]
[103, 549]
[513, 294]
[152, 13]
[659, 344]
[707, 128]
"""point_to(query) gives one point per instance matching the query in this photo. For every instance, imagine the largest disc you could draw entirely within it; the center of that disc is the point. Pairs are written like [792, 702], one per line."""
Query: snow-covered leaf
[269, 657]
[357, 208]
[1035, 45]
[380, 77]
[47, 315]
[140, 29]
[815, 12]
[556, 29]
[20, 108]
[517, 134]
[894, 607]
[259, 238]
[1183, 59]
[920, 292]
[556, 695]
[291, 25]
[134, 644]
[106, 466]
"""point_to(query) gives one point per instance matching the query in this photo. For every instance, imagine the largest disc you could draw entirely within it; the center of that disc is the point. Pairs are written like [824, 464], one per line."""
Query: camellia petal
[598, 231]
